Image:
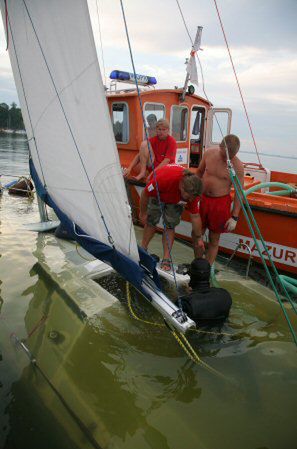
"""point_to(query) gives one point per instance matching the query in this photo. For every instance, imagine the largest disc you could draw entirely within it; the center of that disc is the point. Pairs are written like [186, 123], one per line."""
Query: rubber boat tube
[283, 186]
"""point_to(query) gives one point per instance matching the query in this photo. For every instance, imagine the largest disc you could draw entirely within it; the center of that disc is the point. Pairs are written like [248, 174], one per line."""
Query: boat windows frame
[128, 121]
[204, 130]
[210, 115]
[158, 104]
[171, 117]
[204, 124]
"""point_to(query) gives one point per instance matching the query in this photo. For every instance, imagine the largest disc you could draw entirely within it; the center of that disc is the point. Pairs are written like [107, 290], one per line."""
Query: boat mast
[195, 48]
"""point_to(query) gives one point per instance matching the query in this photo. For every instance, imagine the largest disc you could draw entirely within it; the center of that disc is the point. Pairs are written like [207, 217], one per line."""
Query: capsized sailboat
[74, 160]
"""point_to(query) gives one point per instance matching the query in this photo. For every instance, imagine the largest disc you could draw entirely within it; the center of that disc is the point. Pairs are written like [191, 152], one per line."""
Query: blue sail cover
[126, 267]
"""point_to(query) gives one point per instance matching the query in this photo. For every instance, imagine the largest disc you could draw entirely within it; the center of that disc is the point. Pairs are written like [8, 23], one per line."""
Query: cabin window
[120, 122]
[196, 128]
[220, 126]
[152, 113]
[196, 135]
[179, 123]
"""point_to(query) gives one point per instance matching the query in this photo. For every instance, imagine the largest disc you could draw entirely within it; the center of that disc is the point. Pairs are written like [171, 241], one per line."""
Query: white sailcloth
[66, 116]
[192, 69]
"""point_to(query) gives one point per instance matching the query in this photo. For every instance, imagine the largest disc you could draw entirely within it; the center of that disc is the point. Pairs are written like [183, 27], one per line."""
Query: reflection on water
[14, 155]
[120, 383]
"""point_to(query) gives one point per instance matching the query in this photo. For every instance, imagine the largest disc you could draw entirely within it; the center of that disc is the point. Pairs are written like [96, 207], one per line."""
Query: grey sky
[262, 37]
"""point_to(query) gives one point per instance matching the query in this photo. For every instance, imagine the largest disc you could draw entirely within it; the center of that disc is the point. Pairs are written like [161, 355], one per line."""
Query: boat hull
[278, 228]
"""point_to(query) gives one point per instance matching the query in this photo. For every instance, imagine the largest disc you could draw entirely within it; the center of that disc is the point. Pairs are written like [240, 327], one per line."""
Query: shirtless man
[163, 151]
[215, 204]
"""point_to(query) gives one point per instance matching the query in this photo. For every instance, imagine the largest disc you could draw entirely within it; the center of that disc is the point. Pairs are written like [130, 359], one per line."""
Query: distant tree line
[11, 117]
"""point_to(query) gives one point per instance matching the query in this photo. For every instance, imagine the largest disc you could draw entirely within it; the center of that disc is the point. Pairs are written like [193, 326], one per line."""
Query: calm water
[112, 382]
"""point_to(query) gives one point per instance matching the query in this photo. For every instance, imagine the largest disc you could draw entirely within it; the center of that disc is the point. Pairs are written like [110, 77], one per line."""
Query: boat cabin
[193, 122]
[196, 125]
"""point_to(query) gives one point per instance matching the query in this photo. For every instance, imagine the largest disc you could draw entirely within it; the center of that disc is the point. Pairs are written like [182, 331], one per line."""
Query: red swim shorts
[214, 212]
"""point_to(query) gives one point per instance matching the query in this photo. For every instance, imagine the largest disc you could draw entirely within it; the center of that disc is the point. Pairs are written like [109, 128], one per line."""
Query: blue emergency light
[128, 77]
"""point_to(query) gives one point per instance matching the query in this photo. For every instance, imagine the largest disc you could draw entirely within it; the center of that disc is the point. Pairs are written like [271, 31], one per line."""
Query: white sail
[66, 116]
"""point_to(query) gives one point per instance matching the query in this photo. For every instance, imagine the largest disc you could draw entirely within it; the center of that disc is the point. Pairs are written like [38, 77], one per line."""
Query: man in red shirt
[164, 151]
[177, 188]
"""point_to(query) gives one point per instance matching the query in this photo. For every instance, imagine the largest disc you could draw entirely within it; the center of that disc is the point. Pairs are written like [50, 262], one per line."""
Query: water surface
[113, 382]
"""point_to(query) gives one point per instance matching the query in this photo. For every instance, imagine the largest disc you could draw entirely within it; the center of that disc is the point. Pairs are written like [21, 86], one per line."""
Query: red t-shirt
[163, 149]
[168, 179]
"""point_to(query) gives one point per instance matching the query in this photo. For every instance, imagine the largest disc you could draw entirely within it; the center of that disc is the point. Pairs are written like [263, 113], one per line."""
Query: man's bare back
[214, 172]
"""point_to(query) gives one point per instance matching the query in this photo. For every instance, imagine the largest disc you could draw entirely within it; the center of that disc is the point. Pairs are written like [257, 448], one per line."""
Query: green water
[113, 382]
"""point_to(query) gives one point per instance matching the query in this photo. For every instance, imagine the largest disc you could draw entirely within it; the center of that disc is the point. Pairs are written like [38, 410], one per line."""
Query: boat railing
[239, 245]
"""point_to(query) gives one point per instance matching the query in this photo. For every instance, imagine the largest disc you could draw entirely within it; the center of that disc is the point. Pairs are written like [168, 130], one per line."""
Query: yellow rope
[129, 301]
[193, 358]
[83, 257]
[200, 331]
[186, 346]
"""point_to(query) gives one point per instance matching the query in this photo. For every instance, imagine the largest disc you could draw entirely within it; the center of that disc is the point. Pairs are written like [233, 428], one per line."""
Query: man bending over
[177, 188]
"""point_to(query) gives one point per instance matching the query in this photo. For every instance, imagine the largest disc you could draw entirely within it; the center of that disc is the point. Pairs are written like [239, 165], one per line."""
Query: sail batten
[72, 146]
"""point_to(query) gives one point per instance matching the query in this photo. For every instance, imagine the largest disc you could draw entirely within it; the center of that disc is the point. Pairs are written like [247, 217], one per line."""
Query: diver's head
[199, 273]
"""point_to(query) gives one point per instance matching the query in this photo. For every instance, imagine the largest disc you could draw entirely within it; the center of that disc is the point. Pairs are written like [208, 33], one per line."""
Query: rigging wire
[251, 221]
[237, 81]
[150, 151]
[235, 73]
[101, 45]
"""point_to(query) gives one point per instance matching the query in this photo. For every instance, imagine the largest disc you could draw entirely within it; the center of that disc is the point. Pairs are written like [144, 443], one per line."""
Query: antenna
[195, 48]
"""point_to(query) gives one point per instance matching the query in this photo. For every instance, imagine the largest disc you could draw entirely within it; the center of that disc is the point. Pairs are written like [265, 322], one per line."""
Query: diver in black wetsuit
[205, 304]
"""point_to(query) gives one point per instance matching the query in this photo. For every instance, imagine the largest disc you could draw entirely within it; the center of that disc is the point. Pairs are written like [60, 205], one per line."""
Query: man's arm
[197, 239]
[132, 165]
[239, 169]
[202, 166]
[164, 162]
[232, 222]
[144, 198]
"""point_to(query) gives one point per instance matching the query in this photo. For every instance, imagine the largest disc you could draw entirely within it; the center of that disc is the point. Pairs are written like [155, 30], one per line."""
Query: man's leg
[148, 234]
[213, 246]
[200, 251]
[153, 217]
[167, 240]
[172, 215]
[144, 160]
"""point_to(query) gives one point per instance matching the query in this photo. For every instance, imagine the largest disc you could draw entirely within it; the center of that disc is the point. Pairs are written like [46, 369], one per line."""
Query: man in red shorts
[215, 204]
[163, 151]
[177, 188]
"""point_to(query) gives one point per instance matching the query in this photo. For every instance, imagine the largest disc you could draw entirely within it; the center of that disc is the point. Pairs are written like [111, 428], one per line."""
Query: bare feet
[165, 265]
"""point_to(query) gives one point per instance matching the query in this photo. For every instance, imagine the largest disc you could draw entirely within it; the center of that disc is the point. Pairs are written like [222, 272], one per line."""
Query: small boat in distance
[193, 123]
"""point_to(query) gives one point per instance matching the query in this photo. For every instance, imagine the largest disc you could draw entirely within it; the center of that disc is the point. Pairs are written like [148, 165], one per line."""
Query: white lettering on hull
[278, 253]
